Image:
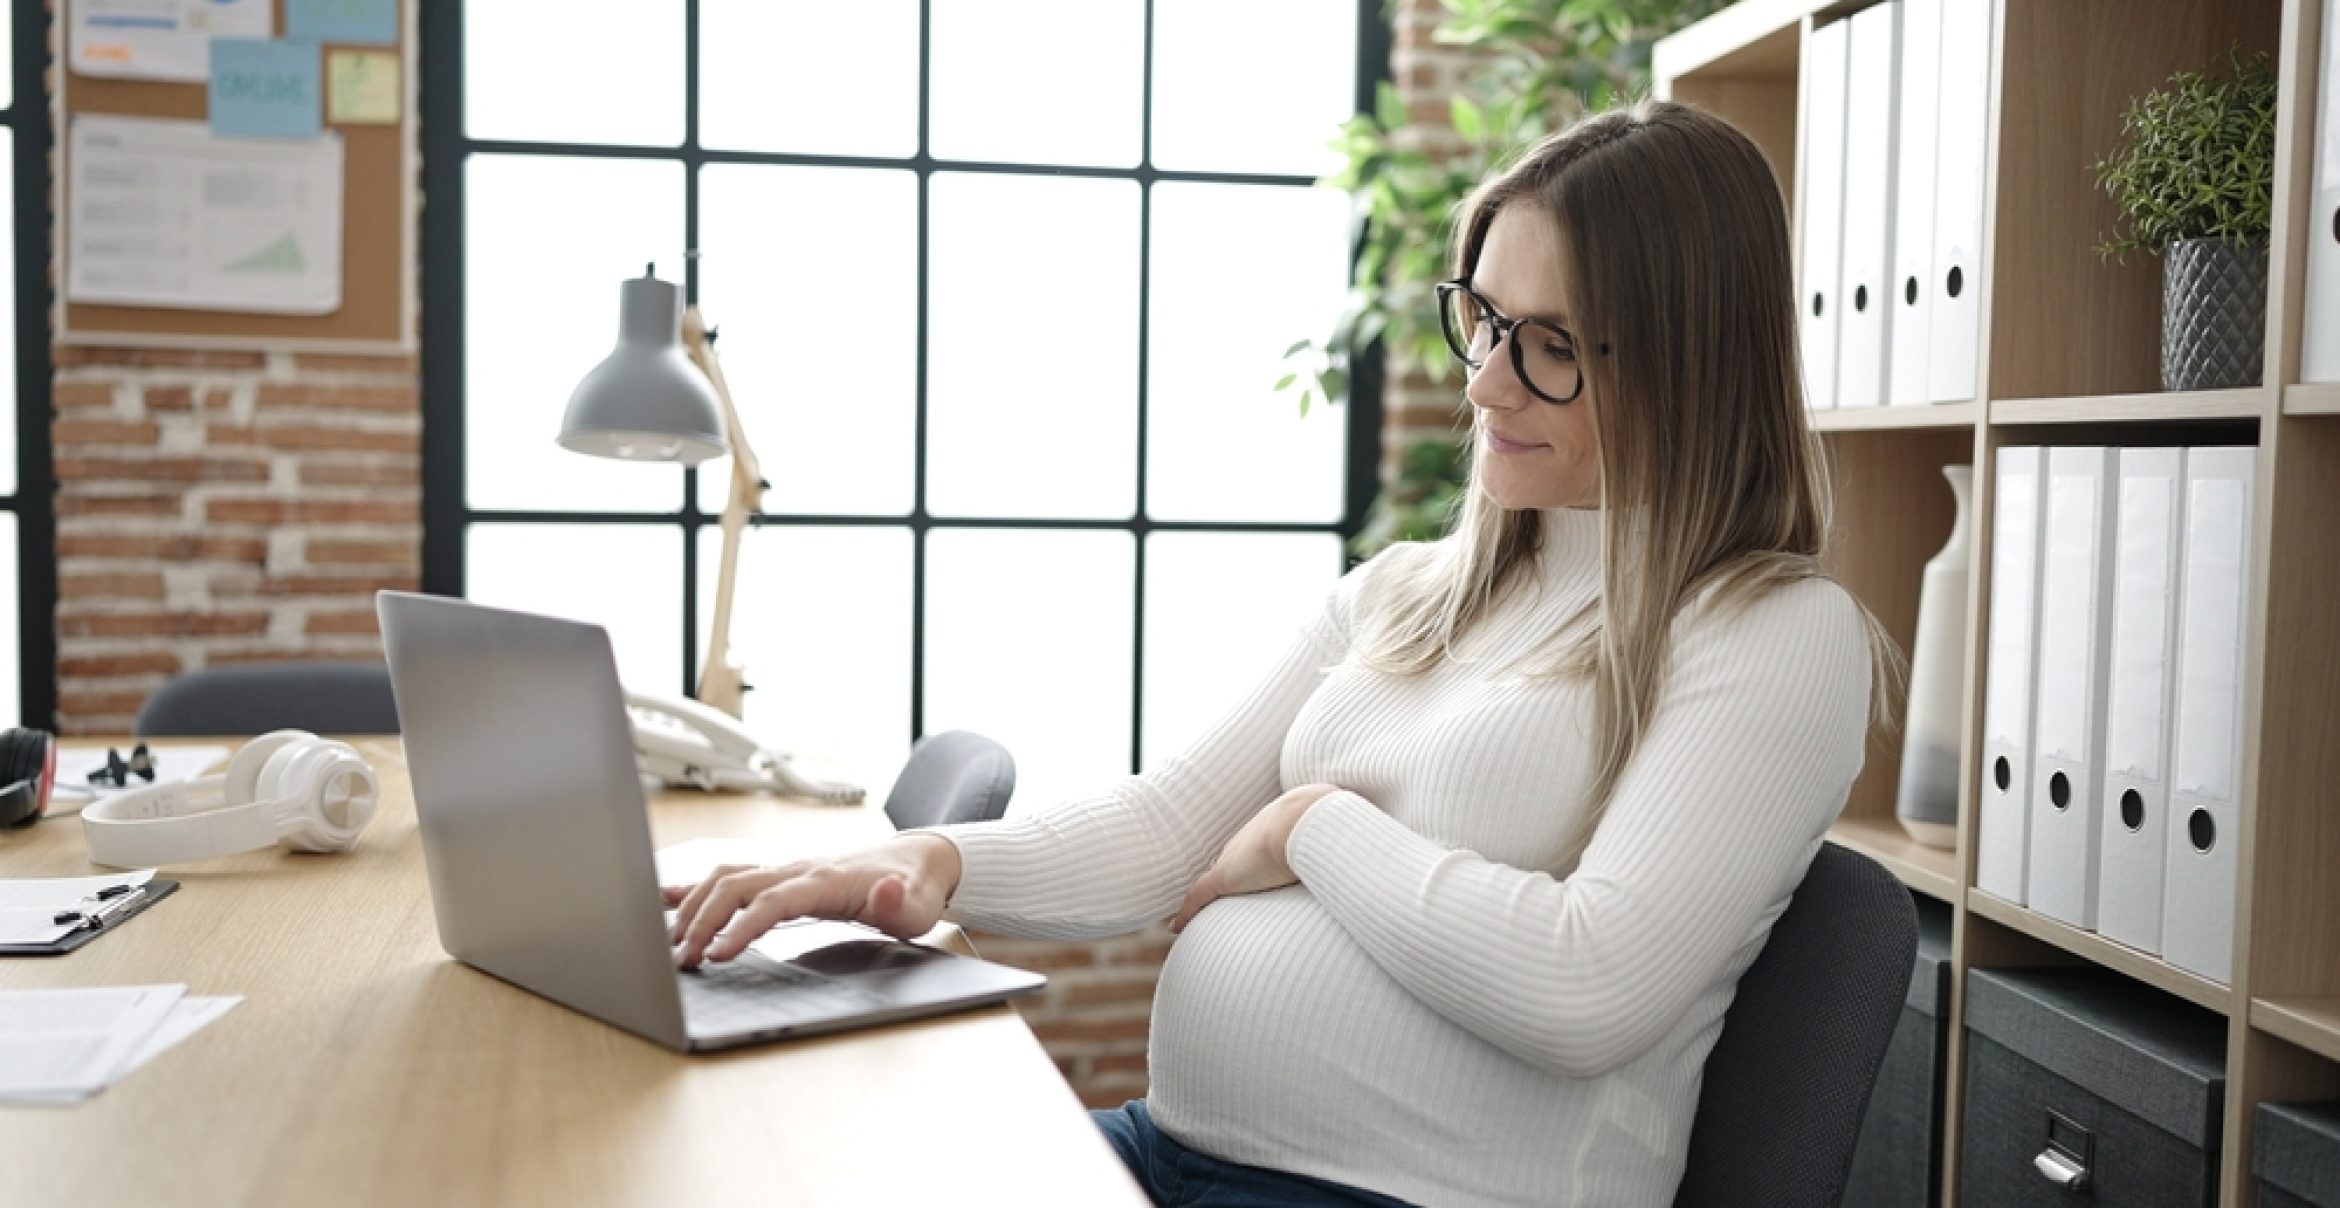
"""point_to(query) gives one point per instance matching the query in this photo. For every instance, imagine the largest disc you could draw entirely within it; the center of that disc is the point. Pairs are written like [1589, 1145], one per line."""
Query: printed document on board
[165, 213]
[159, 39]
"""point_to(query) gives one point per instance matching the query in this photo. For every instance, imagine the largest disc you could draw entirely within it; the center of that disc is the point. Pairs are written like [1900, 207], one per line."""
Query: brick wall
[1414, 407]
[221, 507]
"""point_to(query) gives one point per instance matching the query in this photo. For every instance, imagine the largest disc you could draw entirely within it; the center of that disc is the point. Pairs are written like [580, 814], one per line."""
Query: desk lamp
[660, 396]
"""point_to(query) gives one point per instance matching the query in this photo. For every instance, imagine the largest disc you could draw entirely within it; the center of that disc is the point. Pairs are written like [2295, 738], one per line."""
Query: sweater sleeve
[1113, 863]
[1746, 762]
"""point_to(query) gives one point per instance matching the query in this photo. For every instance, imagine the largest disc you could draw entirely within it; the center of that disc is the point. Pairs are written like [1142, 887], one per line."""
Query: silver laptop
[537, 838]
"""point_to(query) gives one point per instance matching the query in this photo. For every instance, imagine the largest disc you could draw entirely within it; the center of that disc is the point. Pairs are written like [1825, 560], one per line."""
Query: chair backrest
[254, 698]
[1788, 1081]
[954, 776]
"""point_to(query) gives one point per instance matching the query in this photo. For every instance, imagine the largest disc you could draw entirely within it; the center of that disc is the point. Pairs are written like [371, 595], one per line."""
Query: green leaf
[1389, 106]
[1285, 382]
[1469, 121]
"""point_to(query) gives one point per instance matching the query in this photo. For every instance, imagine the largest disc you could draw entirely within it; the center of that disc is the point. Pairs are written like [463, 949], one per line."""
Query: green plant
[2195, 160]
[1416, 504]
[1539, 64]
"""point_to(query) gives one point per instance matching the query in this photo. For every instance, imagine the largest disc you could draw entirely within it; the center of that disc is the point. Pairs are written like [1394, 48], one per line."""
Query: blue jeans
[1177, 1177]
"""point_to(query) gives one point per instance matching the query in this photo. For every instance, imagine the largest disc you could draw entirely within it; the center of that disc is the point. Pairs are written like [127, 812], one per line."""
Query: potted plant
[2193, 178]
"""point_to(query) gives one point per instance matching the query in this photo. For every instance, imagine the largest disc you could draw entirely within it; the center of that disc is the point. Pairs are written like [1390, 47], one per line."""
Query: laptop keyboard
[724, 998]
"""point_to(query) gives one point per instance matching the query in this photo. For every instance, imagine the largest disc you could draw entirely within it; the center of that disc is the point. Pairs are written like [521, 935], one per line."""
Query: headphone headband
[288, 787]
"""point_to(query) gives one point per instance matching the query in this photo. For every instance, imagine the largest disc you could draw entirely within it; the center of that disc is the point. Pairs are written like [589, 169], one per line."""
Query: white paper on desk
[74, 764]
[188, 1016]
[165, 213]
[159, 39]
[28, 908]
[59, 1045]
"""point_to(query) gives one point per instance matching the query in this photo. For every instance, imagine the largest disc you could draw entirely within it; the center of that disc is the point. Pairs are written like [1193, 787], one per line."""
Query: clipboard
[156, 890]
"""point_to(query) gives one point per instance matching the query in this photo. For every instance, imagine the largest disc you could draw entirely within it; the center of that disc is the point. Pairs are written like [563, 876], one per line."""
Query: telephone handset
[685, 744]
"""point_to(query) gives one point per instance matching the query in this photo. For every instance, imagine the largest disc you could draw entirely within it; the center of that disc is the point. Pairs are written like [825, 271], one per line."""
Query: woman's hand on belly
[1253, 861]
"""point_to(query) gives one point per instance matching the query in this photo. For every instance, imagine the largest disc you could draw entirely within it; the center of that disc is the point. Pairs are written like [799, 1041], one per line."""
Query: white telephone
[685, 744]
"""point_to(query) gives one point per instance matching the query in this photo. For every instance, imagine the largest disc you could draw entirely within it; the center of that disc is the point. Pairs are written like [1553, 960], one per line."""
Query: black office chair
[324, 698]
[954, 776]
[1789, 1080]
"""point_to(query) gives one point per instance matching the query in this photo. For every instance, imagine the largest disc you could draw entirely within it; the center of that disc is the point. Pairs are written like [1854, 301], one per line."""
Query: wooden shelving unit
[2312, 398]
[1928, 870]
[2310, 1023]
[1960, 416]
[2070, 355]
[2131, 408]
[2095, 949]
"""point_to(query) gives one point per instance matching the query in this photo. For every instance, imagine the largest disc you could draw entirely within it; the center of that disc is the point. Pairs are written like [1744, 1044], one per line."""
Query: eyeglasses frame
[1503, 325]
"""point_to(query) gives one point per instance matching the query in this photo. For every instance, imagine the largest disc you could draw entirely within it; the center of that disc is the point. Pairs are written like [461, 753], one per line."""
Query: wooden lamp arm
[721, 684]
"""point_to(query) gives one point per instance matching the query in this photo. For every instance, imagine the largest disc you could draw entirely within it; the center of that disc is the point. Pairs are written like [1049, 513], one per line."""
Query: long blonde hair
[1711, 479]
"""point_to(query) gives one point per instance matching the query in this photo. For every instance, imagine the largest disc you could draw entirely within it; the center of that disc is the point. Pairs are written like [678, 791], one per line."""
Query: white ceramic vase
[1927, 803]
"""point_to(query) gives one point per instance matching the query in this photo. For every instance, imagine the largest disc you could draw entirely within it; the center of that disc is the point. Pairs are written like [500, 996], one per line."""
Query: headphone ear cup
[324, 793]
[24, 760]
[244, 771]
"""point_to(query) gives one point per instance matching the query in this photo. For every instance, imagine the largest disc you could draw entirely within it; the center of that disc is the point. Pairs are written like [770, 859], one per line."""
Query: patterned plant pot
[2213, 314]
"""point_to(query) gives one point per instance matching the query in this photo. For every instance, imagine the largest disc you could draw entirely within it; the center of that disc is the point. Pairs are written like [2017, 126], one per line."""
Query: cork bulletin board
[379, 199]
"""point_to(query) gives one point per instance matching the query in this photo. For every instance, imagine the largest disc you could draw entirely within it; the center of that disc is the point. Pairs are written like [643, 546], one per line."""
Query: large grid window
[1001, 287]
[28, 574]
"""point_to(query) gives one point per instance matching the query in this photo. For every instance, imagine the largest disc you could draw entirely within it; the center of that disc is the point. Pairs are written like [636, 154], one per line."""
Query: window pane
[811, 276]
[11, 641]
[821, 624]
[788, 75]
[1241, 86]
[1239, 273]
[547, 242]
[8, 344]
[626, 578]
[574, 71]
[1221, 608]
[1038, 81]
[1028, 641]
[1032, 347]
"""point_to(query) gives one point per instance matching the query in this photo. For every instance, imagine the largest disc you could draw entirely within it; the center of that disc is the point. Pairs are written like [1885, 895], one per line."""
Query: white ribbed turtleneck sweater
[1427, 1014]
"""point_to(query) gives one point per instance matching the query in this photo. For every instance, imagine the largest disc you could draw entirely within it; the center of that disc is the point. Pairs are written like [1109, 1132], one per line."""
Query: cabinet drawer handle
[2061, 1171]
[2064, 1161]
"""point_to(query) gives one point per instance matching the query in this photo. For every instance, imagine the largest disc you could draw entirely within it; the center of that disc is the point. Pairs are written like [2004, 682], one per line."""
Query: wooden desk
[367, 1067]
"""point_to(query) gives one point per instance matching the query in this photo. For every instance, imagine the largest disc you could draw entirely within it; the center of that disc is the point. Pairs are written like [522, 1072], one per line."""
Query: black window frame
[447, 514]
[34, 500]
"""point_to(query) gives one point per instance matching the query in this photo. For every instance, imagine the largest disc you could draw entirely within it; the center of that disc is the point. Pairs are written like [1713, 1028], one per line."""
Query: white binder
[1955, 352]
[2197, 904]
[1911, 286]
[2319, 350]
[2003, 828]
[2147, 537]
[1870, 124]
[1821, 193]
[2068, 707]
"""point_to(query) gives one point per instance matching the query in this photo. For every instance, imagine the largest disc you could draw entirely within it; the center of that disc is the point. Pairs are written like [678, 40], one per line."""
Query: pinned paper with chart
[159, 39]
[165, 213]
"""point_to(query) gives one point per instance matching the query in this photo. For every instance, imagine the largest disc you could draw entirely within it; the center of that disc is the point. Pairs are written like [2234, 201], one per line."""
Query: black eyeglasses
[118, 770]
[1543, 354]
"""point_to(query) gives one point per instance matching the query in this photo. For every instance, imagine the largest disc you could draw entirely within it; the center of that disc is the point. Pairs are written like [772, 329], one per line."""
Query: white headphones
[289, 787]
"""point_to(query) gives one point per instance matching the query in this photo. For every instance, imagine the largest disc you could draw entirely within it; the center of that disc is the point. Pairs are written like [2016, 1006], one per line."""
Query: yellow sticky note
[361, 87]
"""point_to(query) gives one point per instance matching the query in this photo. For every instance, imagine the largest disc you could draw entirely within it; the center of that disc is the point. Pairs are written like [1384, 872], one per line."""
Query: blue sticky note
[265, 88]
[363, 22]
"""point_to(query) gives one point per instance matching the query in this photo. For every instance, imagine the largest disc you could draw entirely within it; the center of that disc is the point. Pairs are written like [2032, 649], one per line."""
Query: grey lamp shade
[646, 401]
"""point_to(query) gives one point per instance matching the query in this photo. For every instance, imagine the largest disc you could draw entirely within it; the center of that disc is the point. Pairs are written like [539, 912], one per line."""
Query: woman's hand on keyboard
[898, 887]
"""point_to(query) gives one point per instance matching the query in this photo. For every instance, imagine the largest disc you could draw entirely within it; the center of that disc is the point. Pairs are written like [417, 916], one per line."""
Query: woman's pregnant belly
[1277, 1040]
